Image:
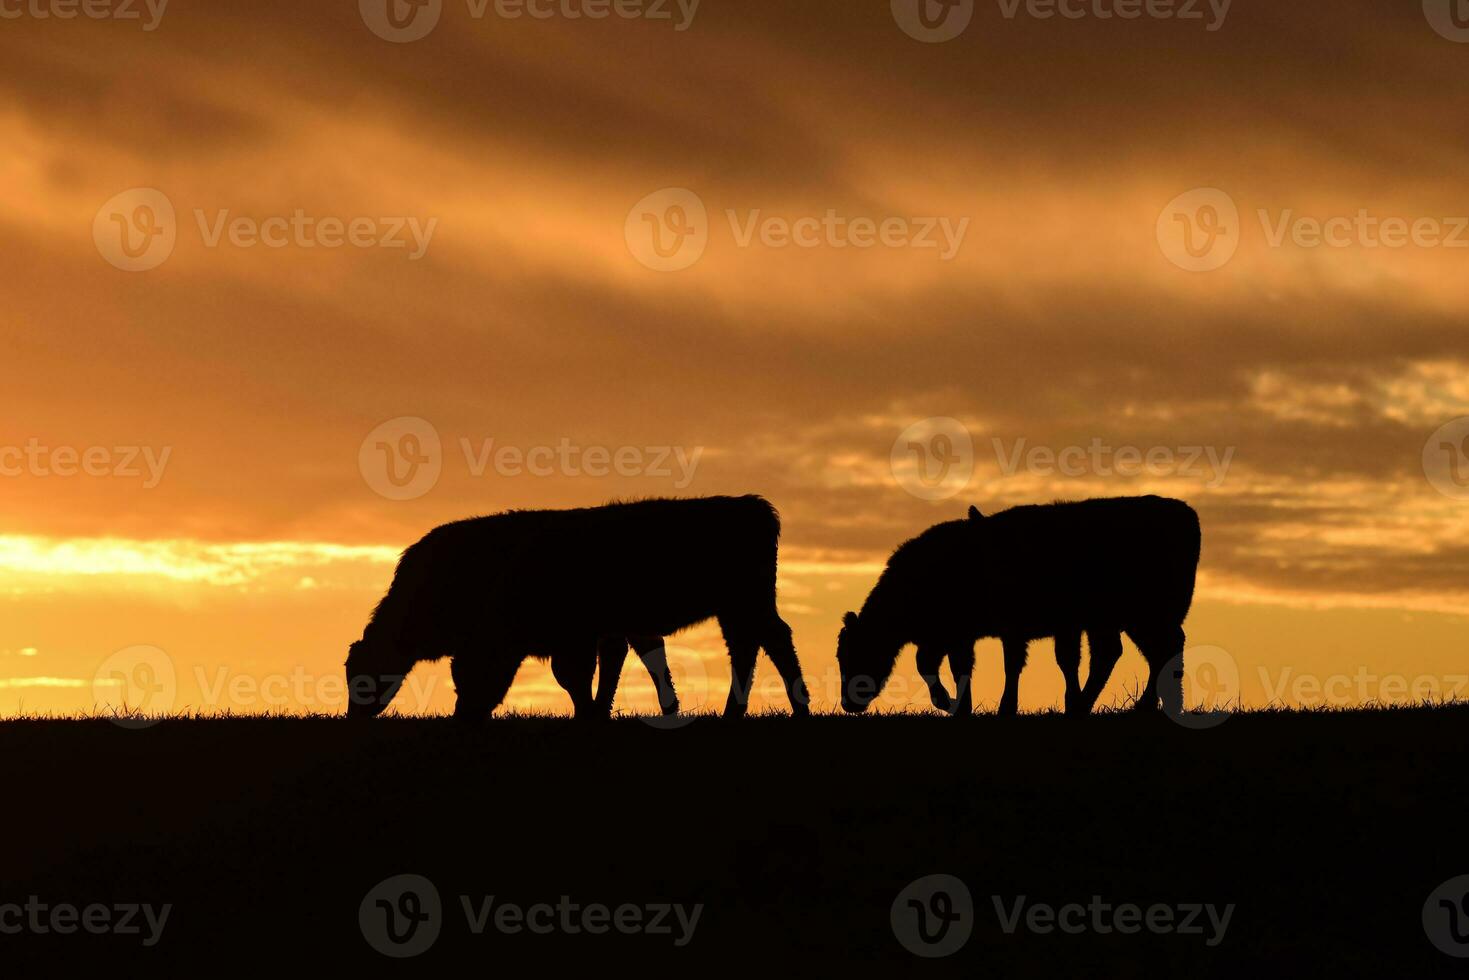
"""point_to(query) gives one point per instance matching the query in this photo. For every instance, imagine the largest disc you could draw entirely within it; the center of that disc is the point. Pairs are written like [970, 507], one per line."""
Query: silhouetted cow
[490, 591]
[1102, 567]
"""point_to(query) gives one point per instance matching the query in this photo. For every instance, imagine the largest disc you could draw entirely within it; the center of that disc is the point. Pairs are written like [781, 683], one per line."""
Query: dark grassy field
[1326, 831]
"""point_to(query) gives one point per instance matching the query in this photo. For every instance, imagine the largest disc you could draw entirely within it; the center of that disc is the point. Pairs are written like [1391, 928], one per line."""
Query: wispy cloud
[55, 682]
[39, 561]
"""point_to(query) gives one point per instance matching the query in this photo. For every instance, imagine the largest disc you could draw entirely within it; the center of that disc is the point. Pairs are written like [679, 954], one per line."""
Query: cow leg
[1068, 658]
[1163, 650]
[655, 658]
[1104, 649]
[961, 662]
[1170, 670]
[573, 666]
[1016, 650]
[930, 657]
[611, 652]
[743, 648]
[781, 649]
[480, 684]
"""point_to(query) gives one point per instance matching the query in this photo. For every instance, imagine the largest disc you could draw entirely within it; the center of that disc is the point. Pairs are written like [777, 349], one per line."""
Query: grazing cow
[490, 591]
[1103, 567]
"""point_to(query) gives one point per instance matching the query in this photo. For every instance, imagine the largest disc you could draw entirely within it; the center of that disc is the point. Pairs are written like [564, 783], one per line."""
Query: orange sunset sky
[189, 452]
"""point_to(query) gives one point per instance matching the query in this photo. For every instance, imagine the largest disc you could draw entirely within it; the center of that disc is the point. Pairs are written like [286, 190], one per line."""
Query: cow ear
[850, 619]
[974, 514]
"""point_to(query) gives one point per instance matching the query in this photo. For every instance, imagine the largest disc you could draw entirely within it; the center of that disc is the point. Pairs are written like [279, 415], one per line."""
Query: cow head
[375, 671]
[865, 660]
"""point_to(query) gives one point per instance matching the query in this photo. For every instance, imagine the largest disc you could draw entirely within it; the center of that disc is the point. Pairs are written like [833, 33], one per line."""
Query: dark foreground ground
[1326, 832]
